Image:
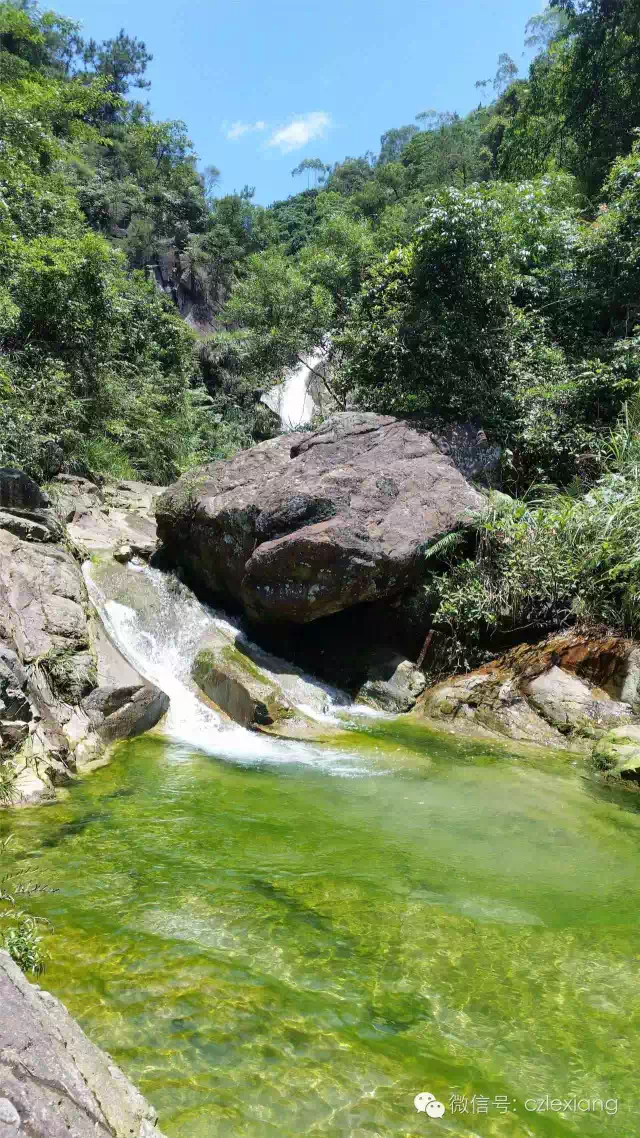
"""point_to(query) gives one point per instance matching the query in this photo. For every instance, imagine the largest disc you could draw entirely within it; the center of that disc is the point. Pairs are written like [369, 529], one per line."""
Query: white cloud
[237, 129]
[300, 131]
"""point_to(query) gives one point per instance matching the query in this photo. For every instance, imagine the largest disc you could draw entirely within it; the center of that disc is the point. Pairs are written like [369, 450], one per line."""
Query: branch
[323, 379]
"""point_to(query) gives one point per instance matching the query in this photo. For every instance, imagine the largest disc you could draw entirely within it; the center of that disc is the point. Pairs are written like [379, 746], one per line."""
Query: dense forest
[481, 269]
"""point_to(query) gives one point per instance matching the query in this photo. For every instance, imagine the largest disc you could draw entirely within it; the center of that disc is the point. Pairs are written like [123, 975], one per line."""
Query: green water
[278, 950]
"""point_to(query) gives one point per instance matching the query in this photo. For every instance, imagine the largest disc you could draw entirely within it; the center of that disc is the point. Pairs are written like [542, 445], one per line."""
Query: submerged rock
[54, 1082]
[307, 525]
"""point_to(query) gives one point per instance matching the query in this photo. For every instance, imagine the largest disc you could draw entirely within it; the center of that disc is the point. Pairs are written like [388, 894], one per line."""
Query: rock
[481, 703]
[26, 528]
[568, 702]
[563, 692]
[123, 554]
[617, 754]
[53, 1080]
[144, 549]
[14, 702]
[233, 682]
[306, 525]
[50, 710]
[24, 508]
[122, 712]
[42, 600]
[8, 1113]
[73, 496]
[13, 733]
[394, 685]
[19, 492]
[99, 518]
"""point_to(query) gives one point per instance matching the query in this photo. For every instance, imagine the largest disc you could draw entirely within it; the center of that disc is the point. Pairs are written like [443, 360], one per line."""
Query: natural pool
[280, 949]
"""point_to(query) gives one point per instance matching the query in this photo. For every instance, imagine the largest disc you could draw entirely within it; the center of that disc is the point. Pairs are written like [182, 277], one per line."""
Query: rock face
[565, 692]
[25, 508]
[53, 715]
[55, 1083]
[98, 518]
[19, 492]
[307, 525]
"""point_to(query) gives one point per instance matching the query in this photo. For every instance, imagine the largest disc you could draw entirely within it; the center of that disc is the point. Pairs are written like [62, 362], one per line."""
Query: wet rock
[55, 1083]
[123, 554]
[144, 548]
[307, 525]
[49, 707]
[237, 686]
[393, 685]
[617, 754]
[122, 712]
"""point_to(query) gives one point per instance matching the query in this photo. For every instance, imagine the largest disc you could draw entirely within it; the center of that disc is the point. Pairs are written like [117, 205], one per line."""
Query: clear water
[277, 948]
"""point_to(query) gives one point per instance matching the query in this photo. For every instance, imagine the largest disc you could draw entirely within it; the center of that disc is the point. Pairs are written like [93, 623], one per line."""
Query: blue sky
[262, 84]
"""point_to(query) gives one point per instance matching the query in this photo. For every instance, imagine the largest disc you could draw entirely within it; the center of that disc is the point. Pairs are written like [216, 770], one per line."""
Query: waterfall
[291, 399]
[160, 638]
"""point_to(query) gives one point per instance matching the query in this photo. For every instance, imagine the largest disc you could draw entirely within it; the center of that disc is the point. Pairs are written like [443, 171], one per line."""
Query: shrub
[540, 565]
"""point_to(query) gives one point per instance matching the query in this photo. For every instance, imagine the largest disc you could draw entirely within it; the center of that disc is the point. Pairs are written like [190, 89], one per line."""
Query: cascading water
[291, 399]
[160, 637]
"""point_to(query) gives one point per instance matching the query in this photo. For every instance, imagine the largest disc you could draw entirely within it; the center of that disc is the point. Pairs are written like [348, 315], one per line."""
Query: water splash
[160, 640]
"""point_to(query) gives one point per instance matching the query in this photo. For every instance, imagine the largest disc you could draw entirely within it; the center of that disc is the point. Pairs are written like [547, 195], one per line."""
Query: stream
[277, 938]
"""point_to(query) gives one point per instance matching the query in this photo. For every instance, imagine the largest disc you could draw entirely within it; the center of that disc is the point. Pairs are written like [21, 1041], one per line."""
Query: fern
[444, 545]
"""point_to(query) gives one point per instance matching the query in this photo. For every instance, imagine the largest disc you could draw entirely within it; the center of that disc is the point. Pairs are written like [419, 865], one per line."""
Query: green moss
[238, 659]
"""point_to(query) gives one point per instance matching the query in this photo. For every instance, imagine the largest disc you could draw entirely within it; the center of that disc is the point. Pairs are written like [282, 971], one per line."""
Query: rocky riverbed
[316, 541]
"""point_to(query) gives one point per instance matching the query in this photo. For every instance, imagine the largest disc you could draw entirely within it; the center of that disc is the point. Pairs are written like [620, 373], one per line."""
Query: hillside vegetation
[481, 269]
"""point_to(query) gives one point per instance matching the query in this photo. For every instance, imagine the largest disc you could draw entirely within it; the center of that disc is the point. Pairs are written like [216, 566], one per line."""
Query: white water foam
[291, 399]
[161, 640]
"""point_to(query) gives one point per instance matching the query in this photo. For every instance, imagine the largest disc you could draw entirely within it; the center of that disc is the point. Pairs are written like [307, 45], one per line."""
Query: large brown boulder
[308, 524]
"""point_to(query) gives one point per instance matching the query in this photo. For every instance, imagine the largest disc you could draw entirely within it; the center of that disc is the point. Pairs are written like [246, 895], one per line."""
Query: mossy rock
[241, 689]
[617, 755]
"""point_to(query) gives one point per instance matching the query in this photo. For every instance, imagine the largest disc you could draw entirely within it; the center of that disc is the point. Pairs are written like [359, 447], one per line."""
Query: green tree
[312, 167]
[393, 142]
[430, 333]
